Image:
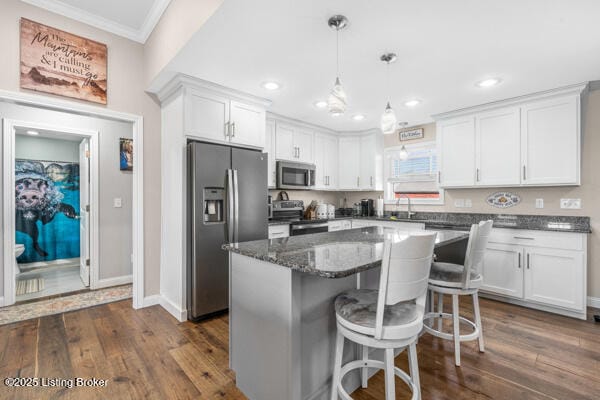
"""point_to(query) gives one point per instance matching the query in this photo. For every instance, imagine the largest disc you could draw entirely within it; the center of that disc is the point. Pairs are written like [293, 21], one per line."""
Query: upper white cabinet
[530, 141]
[326, 161]
[270, 149]
[497, 135]
[457, 152]
[550, 145]
[361, 162]
[349, 162]
[293, 143]
[217, 117]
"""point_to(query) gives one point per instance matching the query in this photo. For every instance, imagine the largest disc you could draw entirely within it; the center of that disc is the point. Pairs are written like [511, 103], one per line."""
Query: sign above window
[412, 134]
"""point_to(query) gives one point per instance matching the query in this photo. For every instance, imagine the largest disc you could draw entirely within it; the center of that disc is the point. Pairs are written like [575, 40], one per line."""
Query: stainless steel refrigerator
[227, 203]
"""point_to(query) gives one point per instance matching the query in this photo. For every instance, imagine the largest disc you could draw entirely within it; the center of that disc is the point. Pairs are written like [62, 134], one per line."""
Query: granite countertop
[438, 220]
[332, 254]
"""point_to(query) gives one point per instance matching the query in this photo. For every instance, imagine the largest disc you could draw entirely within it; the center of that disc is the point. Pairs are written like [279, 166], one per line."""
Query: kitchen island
[282, 322]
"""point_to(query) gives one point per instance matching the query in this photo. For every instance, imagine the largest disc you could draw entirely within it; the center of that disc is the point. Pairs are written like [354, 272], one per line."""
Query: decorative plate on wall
[503, 199]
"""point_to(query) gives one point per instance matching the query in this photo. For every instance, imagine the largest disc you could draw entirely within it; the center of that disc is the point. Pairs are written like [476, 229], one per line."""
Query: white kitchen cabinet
[550, 147]
[270, 149]
[217, 118]
[349, 162]
[497, 135]
[538, 269]
[457, 152]
[555, 277]
[529, 141]
[367, 162]
[503, 270]
[396, 225]
[293, 143]
[326, 161]
[207, 115]
[279, 231]
[247, 124]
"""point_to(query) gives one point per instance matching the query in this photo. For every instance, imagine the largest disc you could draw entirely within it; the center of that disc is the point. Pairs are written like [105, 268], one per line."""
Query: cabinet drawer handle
[439, 176]
[477, 174]
[233, 129]
[527, 260]
[519, 260]
[358, 181]
[524, 173]
[523, 237]
[371, 181]
[227, 128]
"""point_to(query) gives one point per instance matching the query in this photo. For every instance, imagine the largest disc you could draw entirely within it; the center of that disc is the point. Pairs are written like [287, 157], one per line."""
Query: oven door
[295, 175]
[307, 229]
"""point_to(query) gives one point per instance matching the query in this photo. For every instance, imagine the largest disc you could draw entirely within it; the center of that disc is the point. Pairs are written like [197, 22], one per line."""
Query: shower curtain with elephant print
[46, 204]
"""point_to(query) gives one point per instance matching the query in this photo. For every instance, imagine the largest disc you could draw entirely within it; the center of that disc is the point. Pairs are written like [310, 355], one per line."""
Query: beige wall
[126, 87]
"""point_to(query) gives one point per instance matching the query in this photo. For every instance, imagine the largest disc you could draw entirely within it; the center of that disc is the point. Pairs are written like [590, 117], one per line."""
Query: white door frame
[8, 149]
[34, 100]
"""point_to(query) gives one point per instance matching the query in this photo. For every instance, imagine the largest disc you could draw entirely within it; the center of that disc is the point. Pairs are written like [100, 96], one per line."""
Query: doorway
[54, 179]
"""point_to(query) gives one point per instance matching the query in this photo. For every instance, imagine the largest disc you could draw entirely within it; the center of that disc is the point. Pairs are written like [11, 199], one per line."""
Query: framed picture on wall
[126, 154]
[61, 63]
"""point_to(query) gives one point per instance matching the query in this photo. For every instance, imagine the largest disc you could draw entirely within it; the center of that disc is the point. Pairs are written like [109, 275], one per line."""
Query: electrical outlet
[539, 203]
[573, 204]
[459, 203]
[117, 202]
[468, 203]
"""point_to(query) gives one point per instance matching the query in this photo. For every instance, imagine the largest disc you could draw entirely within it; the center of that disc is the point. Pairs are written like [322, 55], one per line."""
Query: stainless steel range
[292, 211]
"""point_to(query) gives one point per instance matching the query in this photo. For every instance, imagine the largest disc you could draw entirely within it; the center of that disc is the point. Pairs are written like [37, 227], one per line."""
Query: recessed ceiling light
[358, 117]
[271, 85]
[321, 104]
[488, 82]
[412, 103]
[33, 133]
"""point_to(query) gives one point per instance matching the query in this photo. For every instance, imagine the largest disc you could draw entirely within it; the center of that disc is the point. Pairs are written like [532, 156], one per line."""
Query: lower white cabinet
[339, 225]
[397, 225]
[539, 269]
[279, 231]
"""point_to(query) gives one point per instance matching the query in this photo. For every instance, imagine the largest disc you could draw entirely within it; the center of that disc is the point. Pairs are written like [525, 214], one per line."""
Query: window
[415, 177]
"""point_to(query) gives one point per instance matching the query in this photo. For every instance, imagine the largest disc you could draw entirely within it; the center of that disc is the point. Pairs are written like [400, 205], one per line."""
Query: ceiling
[444, 48]
[133, 19]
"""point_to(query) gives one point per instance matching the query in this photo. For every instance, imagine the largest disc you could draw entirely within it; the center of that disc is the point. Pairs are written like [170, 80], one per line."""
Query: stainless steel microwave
[291, 175]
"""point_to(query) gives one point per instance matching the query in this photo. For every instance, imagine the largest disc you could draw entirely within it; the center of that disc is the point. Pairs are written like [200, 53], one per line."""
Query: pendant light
[388, 118]
[337, 101]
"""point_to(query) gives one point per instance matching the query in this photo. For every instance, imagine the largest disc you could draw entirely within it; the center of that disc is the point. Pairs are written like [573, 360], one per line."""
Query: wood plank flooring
[147, 354]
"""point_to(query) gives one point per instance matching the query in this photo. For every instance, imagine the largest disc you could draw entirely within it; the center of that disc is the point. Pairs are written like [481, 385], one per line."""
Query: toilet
[19, 249]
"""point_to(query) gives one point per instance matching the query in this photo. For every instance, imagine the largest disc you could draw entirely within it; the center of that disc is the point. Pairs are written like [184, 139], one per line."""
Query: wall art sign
[412, 134]
[503, 199]
[57, 62]
[126, 154]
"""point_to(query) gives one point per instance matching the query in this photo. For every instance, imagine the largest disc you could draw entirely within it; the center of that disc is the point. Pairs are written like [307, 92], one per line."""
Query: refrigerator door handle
[236, 214]
[230, 206]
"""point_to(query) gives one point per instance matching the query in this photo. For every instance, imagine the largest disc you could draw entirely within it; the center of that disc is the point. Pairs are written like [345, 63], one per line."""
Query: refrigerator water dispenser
[214, 199]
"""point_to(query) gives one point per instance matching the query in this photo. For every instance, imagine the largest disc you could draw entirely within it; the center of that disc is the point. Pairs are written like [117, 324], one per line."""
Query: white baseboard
[593, 302]
[151, 300]
[119, 280]
[179, 314]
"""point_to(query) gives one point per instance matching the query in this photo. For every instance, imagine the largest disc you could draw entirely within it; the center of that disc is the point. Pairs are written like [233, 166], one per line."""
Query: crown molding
[577, 89]
[137, 35]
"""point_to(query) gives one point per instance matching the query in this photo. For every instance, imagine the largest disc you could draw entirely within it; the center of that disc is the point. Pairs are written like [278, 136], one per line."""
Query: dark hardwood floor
[147, 354]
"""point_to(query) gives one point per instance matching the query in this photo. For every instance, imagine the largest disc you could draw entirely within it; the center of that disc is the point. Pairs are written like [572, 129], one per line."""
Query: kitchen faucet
[407, 197]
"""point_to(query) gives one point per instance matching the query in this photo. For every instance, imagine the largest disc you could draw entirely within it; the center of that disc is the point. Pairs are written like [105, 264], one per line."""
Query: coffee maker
[367, 208]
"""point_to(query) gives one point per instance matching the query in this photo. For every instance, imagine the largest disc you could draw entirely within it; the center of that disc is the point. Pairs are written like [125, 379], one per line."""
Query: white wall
[46, 149]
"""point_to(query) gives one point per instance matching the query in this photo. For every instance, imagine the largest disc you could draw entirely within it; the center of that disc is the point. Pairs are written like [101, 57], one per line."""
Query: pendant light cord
[337, 52]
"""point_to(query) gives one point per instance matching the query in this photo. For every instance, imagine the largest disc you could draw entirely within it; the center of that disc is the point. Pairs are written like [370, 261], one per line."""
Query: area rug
[26, 286]
[22, 312]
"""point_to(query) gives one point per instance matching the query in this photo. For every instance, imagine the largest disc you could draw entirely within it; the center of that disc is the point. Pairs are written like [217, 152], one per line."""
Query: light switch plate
[459, 203]
[117, 202]
[539, 203]
[573, 204]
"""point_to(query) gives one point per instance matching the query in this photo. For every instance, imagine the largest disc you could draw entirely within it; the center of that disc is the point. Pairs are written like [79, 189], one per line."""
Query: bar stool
[389, 318]
[459, 280]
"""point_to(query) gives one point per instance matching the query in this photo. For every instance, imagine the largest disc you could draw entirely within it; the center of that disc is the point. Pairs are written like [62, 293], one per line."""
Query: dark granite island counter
[282, 323]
